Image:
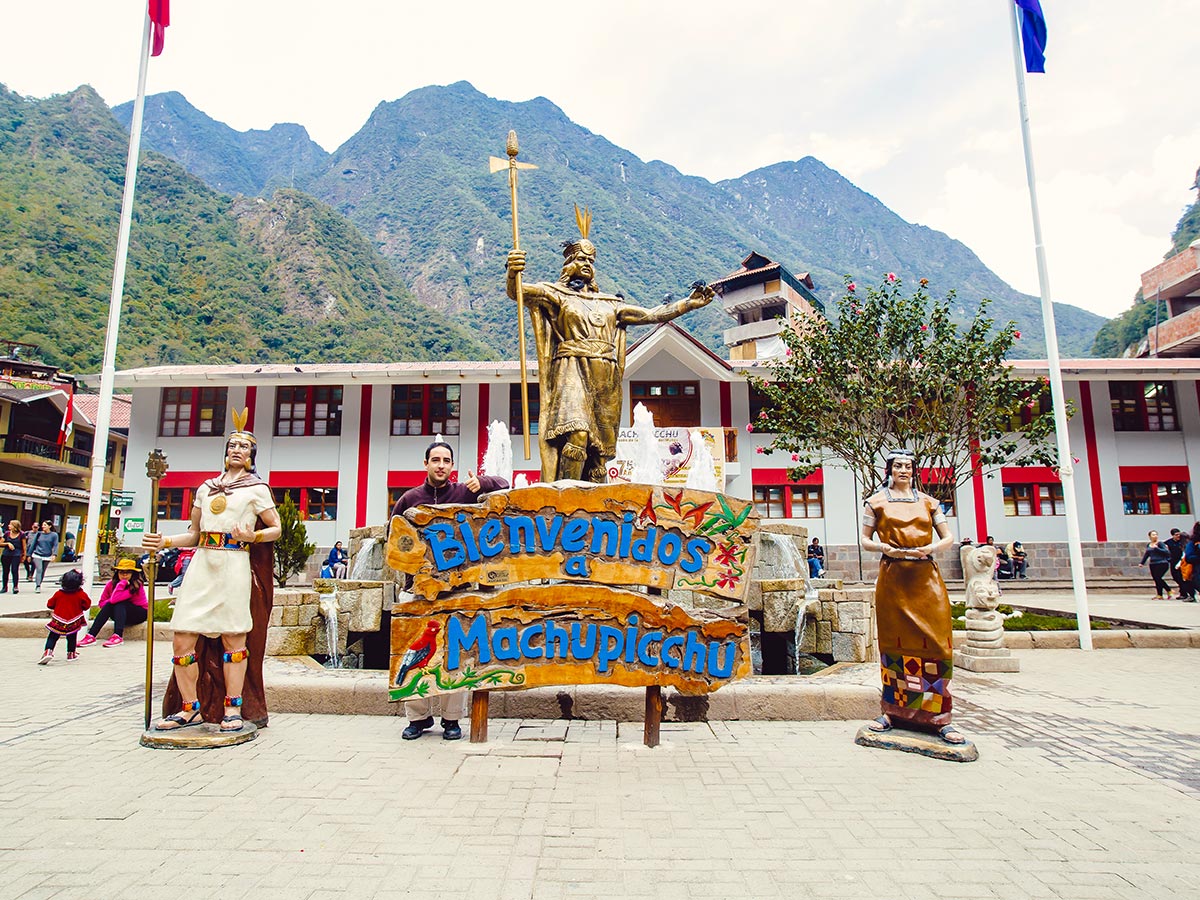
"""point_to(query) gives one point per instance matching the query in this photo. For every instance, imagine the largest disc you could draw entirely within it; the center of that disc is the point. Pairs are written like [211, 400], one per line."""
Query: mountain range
[415, 181]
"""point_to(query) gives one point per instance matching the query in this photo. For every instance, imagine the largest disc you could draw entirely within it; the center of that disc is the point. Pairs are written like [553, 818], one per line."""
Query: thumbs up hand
[472, 482]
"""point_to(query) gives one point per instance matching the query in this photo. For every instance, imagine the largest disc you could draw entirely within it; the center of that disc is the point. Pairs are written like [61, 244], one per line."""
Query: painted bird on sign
[420, 652]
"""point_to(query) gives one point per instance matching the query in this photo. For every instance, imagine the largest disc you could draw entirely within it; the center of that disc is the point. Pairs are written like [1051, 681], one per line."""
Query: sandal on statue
[181, 719]
[233, 721]
[951, 735]
[882, 723]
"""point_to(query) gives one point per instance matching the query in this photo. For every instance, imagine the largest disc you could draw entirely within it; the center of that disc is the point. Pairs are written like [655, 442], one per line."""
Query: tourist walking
[67, 617]
[12, 551]
[1177, 545]
[42, 549]
[1158, 555]
[123, 600]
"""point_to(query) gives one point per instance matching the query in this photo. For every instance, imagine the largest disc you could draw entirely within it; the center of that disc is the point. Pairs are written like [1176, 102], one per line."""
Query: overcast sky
[913, 101]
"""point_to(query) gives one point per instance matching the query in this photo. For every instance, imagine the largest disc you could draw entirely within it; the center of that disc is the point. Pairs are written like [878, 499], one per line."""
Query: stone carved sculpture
[984, 650]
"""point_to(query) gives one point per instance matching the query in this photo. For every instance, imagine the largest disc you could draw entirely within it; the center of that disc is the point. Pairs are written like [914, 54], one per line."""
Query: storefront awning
[11, 490]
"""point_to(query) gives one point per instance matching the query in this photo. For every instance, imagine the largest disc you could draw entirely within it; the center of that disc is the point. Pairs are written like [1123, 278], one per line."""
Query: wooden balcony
[31, 452]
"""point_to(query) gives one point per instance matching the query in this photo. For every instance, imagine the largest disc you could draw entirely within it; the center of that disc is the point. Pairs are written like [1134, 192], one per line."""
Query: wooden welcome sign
[538, 586]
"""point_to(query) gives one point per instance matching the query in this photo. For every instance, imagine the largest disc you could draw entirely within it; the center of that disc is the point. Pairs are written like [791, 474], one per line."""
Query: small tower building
[759, 295]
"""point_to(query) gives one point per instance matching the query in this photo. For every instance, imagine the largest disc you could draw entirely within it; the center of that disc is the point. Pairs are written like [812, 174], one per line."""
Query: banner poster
[675, 448]
[568, 584]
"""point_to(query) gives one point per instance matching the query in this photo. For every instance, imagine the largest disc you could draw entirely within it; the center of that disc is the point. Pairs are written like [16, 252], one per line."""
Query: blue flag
[1033, 35]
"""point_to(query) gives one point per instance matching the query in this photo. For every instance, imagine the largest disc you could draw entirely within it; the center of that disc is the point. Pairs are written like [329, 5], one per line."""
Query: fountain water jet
[702, 470]
[647, 460]
[498, 458]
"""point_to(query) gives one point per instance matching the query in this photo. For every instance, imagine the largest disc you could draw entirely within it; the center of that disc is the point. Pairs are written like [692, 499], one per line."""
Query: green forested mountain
[415, 181]
[1132, 325]
[233, 162]
[209, 278]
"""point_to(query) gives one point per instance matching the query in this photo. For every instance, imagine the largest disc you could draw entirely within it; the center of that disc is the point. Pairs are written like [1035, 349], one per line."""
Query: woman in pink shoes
[123, 600]
[66, 614]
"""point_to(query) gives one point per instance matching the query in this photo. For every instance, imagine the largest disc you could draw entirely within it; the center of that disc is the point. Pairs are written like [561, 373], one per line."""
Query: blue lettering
[631, 638]
[626, 535]
[504, 643]
[527, 649]
[574, 535]
[520, 534]
[697, 550]
[714, 667]
[458, 641]
[583, 640]
[612, 641]
[606, 532]
[694, 654]
[447, 552]
[490, 542]
[643, 547]
[669, 548]
[547, 531]
[556, 640]
[643, 648]
[576, 565]
[468, 536]
[675, 640]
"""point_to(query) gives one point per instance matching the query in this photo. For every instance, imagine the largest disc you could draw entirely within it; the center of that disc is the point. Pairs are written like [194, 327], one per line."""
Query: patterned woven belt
[220, 540]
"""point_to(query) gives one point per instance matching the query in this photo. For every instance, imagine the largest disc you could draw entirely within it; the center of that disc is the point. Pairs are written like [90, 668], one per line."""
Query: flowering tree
[894, 371]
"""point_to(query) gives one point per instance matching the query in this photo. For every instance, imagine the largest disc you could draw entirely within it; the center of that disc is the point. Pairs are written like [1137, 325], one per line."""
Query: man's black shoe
[450, 730]
[417, 728]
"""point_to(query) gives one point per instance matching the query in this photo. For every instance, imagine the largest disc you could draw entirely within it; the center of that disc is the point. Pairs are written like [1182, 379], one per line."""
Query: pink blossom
[762, 415]
[808, 380]
[787, 352]
[796, 457]
[1017, 335]
[851, 287]
[1076, 459]
[843, 400]
[891, 276]
[758, 449]
[749, 426]
[924, 327]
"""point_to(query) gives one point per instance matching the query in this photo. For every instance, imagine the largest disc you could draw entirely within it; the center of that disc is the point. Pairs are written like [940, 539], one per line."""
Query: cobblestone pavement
[1086, 788]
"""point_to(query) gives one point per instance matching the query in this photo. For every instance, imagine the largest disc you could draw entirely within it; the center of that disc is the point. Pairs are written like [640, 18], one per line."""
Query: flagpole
[1066, 468]
[108, 371]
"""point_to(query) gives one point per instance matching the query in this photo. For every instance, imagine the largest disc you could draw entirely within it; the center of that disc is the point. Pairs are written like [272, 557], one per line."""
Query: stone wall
[1047, 561]
[841, 624]
[297, 623]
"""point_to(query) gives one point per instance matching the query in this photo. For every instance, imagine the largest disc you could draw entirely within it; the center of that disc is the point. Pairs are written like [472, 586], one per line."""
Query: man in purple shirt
[438, 488]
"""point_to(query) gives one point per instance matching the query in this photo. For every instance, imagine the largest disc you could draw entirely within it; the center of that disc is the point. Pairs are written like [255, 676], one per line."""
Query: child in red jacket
[66, 615]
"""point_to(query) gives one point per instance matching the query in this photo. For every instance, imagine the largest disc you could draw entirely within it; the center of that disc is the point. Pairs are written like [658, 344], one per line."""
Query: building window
[674, 404]
[1142, 498]
[514, 408]
[426, 409]
[758, 404]
[943, 492]
[1034, 499]
[280, 493]
[768, 500]
[1023, 417]
[308, 411]
[808, 501]
[192, 412]
[173, 503]
[1143, 405]
[316, 504]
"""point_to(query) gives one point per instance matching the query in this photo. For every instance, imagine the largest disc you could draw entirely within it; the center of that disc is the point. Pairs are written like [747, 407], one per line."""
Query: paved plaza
[1088, 786]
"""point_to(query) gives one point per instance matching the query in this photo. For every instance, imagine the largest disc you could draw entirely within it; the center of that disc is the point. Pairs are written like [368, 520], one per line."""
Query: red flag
[68, 422]
[160, 15]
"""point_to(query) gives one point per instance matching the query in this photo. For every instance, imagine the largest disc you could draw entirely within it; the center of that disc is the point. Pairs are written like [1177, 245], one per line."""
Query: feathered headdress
[583, 221]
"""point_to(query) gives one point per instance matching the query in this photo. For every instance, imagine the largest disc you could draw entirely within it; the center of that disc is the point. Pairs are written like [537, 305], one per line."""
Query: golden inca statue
[579, 333]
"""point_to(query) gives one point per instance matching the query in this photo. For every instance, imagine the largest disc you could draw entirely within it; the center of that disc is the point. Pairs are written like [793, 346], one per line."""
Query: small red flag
[68, 420]
[160, 15]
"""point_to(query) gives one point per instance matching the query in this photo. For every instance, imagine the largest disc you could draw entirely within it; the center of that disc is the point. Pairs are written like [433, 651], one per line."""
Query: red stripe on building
[405, 478]
[485, 392]
[727, 404]
[304, 479]
[1155, 474]
[184, 479]
[1029, 475]
[364, 457]
[1093, 459]
[981, 526]
[779, 476]
[251, 402]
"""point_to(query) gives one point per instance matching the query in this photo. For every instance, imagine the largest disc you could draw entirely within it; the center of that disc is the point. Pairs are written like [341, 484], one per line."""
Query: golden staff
[156, 468]
[512, 165]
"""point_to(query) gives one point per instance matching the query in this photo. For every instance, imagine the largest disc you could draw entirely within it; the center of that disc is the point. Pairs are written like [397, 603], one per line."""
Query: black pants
[52, 639]
[1186, 588]
[10, 563]
[124, 613]
[1157, 571]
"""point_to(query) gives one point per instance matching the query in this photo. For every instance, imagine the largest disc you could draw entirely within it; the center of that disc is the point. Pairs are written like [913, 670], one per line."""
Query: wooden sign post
[552, 585]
